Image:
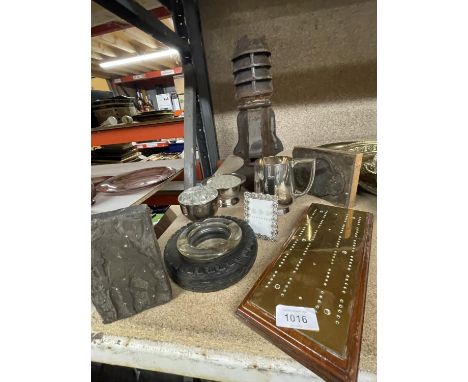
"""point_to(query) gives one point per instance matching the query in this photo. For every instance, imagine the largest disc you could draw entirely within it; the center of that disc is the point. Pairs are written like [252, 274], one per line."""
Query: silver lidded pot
[228, 186]
[199, 202]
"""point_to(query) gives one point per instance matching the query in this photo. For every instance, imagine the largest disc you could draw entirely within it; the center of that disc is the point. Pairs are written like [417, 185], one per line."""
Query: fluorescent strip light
[143, 57]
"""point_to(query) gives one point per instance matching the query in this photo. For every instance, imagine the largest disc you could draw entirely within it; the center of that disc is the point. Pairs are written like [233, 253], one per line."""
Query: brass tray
[368, 175]
[323, 265]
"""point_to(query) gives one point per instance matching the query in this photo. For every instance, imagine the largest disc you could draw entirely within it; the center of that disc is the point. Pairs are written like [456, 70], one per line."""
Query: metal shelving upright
[199, 127]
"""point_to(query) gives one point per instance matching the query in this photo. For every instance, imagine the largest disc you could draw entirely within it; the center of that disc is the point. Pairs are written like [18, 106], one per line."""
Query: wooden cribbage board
[323, 265]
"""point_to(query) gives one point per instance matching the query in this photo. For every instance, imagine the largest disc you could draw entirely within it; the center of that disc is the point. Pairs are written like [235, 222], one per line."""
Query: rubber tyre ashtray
[201, 273]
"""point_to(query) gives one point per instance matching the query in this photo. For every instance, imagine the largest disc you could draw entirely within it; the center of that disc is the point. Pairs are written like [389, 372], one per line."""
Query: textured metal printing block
[127, 271]
[336, 174]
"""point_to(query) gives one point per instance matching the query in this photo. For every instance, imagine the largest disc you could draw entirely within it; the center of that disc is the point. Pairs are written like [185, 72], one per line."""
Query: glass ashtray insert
[209, 239]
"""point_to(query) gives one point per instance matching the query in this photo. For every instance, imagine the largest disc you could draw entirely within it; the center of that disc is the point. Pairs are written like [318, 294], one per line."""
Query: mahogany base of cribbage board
[323, 265]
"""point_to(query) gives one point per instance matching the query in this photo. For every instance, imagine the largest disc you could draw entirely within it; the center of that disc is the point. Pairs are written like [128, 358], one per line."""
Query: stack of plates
[115, 154]
[153, 115]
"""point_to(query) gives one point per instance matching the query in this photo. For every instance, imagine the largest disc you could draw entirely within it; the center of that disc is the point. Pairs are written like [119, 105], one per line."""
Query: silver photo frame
[261, 212]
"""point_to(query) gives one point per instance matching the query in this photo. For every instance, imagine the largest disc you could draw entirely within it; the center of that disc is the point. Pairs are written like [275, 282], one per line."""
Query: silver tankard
[274, 176]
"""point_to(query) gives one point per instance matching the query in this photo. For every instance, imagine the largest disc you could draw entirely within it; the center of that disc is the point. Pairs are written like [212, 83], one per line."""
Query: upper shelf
[103, 21]
[112, 39]
[150, 79]
[138, 132]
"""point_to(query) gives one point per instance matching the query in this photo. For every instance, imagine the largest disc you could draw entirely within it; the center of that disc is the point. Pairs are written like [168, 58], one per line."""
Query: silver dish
[209, 239]
[136, 180]
[201, 210]
[228, 196]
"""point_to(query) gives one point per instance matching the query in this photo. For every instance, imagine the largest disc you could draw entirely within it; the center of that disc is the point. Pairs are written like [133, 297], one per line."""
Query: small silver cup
[274, 176]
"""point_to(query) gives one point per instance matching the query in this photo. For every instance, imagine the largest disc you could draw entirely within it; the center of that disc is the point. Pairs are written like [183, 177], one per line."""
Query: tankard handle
[311, 177]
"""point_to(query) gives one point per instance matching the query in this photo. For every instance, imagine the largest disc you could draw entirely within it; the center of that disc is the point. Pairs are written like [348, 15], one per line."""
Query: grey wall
[324, 56]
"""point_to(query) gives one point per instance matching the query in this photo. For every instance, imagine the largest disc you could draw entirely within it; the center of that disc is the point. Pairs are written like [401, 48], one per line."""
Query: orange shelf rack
[138, 132]
[148, 75]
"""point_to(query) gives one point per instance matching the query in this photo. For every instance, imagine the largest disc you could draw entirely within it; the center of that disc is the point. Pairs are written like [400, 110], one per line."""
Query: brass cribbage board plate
[323, 265]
